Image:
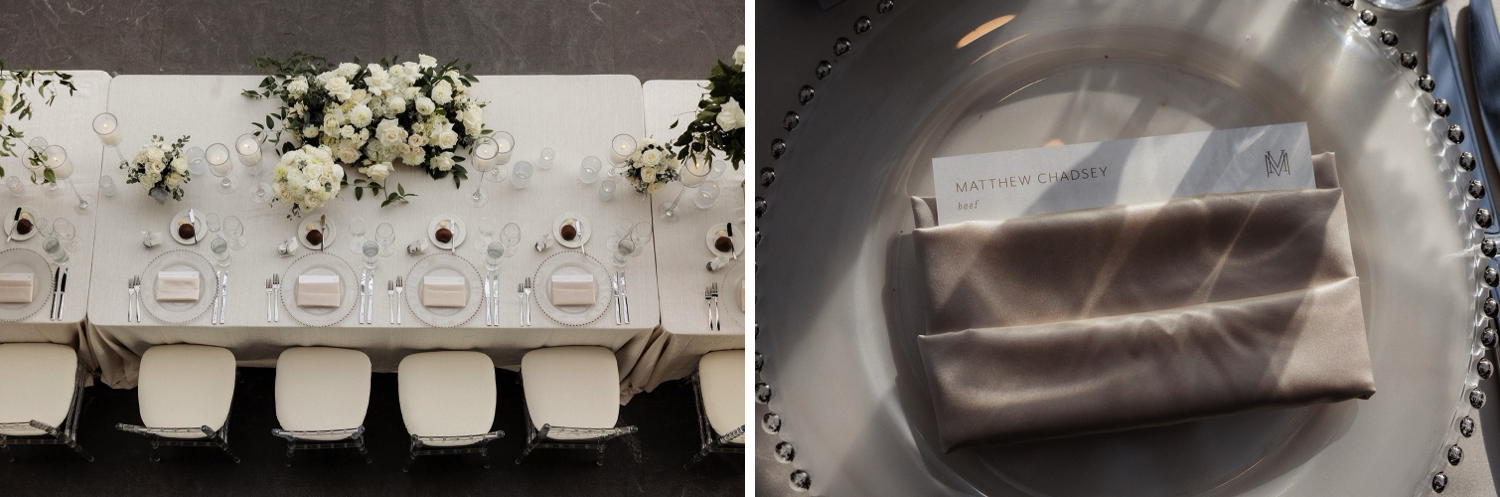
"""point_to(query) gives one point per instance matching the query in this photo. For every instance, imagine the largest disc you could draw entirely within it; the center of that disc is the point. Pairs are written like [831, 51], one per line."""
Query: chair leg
[411, 455]
[224, 445]
[6, 449]
[291, 449]
[530, 445]
[155, 457]
[600, 460]
[73, 444]
[485, 455]
[708, 447]
[360, 441]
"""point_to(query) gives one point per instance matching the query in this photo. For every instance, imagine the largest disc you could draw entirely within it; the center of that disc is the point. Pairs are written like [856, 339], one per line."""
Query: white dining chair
[447, 403]
[572, 400]
[719, 386]
[41, 389]
[322, 394]
[185, 393]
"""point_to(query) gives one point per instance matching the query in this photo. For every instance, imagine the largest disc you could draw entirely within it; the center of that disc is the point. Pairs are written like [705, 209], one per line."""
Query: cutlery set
[366, 284]
[622, 303]
[59, 288]
[133, 306]
[221, 293]
[523, 291]
[711, 296]
[492, 298]
[273, 295]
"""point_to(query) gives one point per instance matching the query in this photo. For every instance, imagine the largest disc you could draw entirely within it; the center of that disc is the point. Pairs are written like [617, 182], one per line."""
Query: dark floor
[652, 39]
[666, 417]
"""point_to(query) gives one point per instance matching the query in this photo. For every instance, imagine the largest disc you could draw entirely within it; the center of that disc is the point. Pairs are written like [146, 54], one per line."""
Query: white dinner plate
[581, 238]
[955, 78]
[325, 264]
[178, 260]
[21, 260]
[571, 262]
[444, 264]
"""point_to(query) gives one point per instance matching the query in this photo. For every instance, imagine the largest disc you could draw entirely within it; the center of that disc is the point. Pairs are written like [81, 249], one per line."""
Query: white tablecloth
[682, 252]
[67, 122]
[575, 115]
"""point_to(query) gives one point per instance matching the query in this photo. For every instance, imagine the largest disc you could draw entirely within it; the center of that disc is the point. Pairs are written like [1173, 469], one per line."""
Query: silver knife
[62, 291]
[223, 296]
[363, 290]
[52, 309]
[614, 284]
[624, 300]
[213, 310]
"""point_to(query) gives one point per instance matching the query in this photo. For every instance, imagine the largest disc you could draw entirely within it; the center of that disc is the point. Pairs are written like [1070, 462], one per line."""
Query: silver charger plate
[20, 260]
[319, 263]
[573, 262]
[839, 348]
[443, 264]
[178, 260]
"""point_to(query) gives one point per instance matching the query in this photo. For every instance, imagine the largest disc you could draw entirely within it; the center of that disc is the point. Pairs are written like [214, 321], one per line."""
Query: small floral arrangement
[306, 178]
[159, 168]
[371, 116]
[719, 124]
[651, 167]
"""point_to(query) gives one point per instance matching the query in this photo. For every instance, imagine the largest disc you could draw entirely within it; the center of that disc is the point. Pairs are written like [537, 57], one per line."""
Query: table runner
[67, 122]
[684, 334]
[574, 115]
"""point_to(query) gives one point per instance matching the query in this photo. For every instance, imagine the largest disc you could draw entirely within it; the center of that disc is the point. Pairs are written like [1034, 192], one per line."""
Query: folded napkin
[573, 289]
[177, 286]
[319, 290]
[1140, 315]
[16, 288]
[444, 291]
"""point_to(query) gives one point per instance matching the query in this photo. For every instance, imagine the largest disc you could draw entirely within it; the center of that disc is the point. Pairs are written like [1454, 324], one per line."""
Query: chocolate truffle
[315, 238]
[443, 235]
[724, 244]
[186, 231]
[23, 226]
[568, 232]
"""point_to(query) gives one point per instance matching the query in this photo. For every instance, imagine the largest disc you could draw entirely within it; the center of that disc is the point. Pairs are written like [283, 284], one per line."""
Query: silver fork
[529, 300]
[130, 304]
[268, 300]
[276, 297]
[400, 296]
[137, 298]
[390, 299]
[717, 324]
[708, 300]
[521, 294]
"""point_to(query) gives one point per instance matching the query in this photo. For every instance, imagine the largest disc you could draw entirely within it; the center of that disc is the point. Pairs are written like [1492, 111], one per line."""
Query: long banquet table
[67, 123]
[575, 115]
[685, 335]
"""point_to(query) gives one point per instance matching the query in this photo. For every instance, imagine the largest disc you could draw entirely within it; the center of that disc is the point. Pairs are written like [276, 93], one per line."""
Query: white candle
[218, 159]
[694, 171]
[504, 145]
[621, 147]
[107, 128]
[248, 148]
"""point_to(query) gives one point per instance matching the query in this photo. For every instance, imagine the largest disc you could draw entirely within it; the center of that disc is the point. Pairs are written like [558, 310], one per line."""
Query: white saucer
[583, 233]
[739, 239]
[10, 224]
[180, 219]
[329, 233]
[456, 225]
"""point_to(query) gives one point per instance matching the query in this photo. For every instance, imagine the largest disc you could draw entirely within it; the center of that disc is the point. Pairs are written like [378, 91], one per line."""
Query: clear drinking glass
[217, 156]
[64, 231]
[220, 248]
[588, 171]
[606, 190]
[357, 229]
[625, 248]
[492, 255]
[196, 164]
[510, 236]
[54, 248]
[15, 185]
[386, 235]
[520, 175]
[371, 251]
[707, 193]
[547, 158]
[107, 185]
[213, 221]
[55, 159]
[235, 230]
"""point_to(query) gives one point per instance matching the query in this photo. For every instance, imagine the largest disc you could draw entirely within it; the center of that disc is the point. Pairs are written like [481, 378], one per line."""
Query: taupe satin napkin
[1140, 315]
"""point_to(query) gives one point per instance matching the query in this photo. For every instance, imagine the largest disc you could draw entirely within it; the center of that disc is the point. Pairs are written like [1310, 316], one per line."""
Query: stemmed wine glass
[248, 148]
[485, 151]
[218, 163]
[235, 230]
[504, 145]
[510, 237]
[631, 240]
[386, 235]
[693, 173]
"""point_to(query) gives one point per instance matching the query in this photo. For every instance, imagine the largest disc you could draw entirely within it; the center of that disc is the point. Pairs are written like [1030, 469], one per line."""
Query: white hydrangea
[442, 93]
[426, 61]
[298, 86]
[361, 115]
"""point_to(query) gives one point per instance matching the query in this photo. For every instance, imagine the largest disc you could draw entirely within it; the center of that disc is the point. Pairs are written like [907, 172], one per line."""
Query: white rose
[173, 180]
[425, 106]
[651, 156]
[331, 123]
[152, 179]
[443, 161]
[155, 167]
[395, 105]
[656, 188]
[155, 154]
[309, 131]
[473, 119]
[346, 132]
[340, 88]
[447, 138]
[417, 140]
[348, 152]
[179, 165]
[413, 156]
[379, 80]
[297, 87]
[360, 116]
[359, 96]
[379, 171]
[442, 93]
[739, 56]
[731, 116]
[390, 133]
[426, 61]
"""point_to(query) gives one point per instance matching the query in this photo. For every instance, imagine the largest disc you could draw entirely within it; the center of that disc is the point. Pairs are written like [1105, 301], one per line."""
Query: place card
[1002, 185]
[573, 289]
[444, 291]
[16, 288]
[177, 286]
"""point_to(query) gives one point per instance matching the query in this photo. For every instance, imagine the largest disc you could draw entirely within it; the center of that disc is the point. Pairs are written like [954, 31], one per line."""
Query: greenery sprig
[15, 88]
[719, 124]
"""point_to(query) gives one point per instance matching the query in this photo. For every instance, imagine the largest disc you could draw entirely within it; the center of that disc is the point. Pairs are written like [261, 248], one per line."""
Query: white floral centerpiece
[372, 116]
[306, 178]
[651, 167]
[159, 168]
[719, 125]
